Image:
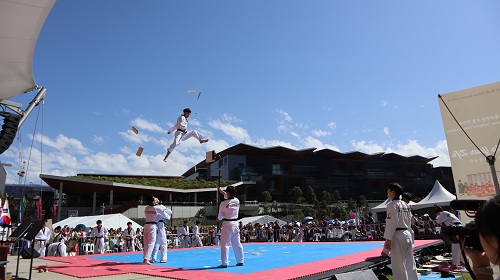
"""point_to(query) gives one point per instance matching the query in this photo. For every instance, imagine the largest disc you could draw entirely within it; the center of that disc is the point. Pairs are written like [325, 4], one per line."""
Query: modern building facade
[279, 169]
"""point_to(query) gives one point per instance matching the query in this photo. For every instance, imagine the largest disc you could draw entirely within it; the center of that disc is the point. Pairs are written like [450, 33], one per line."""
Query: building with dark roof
[274, 169]
[279, 169]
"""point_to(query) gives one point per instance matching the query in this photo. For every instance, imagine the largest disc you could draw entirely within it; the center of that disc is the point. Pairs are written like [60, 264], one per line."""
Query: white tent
[383, 206]
[264, 219]
[108, 221]
[438, 196]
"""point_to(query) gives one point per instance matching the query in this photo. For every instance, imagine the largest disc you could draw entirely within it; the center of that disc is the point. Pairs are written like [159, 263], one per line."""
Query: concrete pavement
[24, 270]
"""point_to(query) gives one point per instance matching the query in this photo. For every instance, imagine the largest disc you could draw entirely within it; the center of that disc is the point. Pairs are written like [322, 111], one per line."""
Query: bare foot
[146, 262]
[203, 141]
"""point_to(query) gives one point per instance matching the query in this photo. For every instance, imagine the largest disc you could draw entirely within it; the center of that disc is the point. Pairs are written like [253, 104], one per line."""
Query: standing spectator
[398, 237]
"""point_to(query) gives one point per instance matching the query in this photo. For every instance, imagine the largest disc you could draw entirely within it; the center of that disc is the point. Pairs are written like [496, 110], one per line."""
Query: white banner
[477, 110]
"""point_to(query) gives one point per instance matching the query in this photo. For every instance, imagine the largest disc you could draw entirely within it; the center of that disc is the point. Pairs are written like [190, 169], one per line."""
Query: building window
[278, 169]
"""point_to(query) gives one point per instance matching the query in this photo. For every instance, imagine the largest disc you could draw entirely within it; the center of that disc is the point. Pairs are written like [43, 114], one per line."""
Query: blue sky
[343, 75]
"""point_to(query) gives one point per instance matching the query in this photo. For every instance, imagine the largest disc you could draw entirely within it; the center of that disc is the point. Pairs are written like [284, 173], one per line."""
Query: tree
[339, 212]
[364, 203]
[296, 195]
[310, 195]
[326, 197]
[351, 204]
[265, 196]
[336, 195]
[201, 213]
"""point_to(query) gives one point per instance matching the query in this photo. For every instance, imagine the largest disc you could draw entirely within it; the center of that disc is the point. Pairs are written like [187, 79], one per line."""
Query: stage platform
[309, 260]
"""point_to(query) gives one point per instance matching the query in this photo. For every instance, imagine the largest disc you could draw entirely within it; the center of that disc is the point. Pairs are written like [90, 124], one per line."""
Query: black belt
[230, 220]
[150, 223]
[183, 131]
[98, 236]
[160, 221]
[399, 228]
[457, 223]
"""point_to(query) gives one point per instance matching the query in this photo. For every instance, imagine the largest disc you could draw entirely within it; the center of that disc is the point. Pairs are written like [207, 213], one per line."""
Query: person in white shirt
[153, 214]
[398, 237]
[41, 240]
[129, 238]
[100, 235]
[183, 233]
[161, 236]
[58, 245]
[230, 234]
[196, 235]
[181, 133]
[447, 219]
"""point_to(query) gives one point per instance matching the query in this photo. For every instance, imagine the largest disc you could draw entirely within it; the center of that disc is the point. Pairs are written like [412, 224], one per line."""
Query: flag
[39, 209]
[5, 217]
[5, 220]
[54, 211]
[22, 209]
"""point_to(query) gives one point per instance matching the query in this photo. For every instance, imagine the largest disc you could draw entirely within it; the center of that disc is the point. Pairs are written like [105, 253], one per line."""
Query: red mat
[84, 267]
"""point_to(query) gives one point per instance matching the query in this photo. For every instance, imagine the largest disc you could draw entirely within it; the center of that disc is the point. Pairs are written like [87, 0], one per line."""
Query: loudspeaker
[356, 275]
[26, 253]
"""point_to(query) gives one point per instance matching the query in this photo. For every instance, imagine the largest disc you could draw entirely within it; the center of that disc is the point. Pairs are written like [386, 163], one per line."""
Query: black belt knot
[160, 221]
[183, 131]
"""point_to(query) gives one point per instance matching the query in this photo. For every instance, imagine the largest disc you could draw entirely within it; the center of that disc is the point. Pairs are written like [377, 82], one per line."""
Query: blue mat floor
[258, 256]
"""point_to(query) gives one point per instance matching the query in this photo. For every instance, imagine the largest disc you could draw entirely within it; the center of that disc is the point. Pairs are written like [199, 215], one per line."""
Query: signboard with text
[472, 113]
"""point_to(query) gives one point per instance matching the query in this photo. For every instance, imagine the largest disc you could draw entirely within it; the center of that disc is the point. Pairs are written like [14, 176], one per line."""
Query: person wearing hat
[196, 242]
[398, 235]
[181, 133]
[230, 234]
[183, 233]
[99, 234]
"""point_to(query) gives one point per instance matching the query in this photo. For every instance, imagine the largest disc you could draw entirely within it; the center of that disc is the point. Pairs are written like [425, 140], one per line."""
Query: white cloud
[312, 142]
[332, 125]
[61, 143]
[238, 134]
[320, 133]
[412, 147]
[99, 140]
[384, 103]
[284, 121]
[386, 130]
[142, 124]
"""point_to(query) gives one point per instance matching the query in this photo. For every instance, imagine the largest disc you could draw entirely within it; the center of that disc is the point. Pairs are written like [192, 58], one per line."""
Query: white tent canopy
[20, 25]
[383, 206]
[264, 219]
[109, 221]
[438, 196]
